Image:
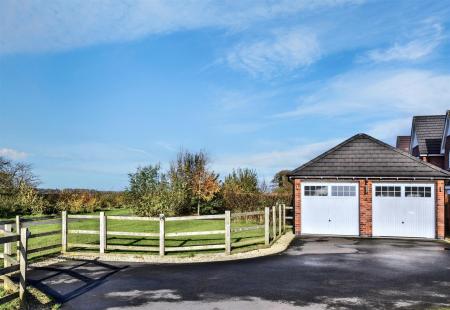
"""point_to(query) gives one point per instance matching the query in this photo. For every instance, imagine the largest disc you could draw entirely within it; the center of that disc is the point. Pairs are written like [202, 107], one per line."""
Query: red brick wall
[436, 160]
[447, 150]
[297, 206]
[365, 208]
[440, 209]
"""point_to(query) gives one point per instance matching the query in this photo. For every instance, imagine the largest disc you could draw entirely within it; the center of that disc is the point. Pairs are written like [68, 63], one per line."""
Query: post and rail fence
[274, 217]
[17, 232]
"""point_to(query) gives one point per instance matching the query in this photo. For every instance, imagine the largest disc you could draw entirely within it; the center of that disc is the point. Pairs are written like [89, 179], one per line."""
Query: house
[365, 187]
[426, 138]
[445, 143]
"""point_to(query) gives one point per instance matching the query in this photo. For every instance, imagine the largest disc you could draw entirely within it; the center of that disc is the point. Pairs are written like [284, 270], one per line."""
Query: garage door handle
[403, 222]
[329, 220]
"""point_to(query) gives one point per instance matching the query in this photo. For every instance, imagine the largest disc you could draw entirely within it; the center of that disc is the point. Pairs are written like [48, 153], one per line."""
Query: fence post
[23, 262]
[266, 225]
[18, 226]
[284, 218]
[280, 218]
[102, 232]
[7, 247]
[274, 222]
[227, 232]
[64, 231]
[162, 234]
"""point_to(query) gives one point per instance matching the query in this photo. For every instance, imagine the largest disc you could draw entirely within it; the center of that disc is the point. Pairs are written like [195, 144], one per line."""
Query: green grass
[144, 226]
[36, 300]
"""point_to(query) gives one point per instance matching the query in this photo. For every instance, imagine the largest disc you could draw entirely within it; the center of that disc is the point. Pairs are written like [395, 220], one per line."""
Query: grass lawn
[146, 226]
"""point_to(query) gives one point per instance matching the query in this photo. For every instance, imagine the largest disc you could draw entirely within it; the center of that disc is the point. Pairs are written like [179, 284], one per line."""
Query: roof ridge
[379, 142]
[315, 159]
[430, 115]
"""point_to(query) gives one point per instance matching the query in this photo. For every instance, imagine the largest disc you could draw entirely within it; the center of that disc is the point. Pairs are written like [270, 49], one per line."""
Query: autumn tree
[18, 193]
[242, 180]
[281, 184]
[190, 173]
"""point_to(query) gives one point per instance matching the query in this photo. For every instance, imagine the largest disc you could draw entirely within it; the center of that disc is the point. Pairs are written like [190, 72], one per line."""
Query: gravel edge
[279, 246]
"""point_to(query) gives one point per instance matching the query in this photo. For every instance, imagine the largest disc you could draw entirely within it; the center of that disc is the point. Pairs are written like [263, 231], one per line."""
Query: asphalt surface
[314, 273]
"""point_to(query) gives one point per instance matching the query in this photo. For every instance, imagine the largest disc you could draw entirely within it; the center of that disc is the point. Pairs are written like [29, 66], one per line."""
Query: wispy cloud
[270, 162]
[33, 26]
[389, 129]
[425, 41]
[378, 92]
[12, 154]
[284, 50]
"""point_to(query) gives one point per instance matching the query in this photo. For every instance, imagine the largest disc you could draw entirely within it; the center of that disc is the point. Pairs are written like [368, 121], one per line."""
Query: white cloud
[12, 154]
[33, 26]
[284, 50]
[425, 42]
[388, 130]
[267, 163]
[382, 93]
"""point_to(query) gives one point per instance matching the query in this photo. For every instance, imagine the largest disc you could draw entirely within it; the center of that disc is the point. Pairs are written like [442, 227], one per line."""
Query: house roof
[403, 143]
[365, 156]
[429, 130]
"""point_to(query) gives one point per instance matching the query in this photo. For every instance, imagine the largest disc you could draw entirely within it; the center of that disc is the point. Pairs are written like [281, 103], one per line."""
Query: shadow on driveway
[69, 279]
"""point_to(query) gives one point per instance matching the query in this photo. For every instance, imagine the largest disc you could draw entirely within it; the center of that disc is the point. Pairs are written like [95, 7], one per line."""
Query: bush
[243, 202]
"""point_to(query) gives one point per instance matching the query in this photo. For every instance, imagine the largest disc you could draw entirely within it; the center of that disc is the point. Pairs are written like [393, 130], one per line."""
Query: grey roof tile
[365, 156]
[429, 130]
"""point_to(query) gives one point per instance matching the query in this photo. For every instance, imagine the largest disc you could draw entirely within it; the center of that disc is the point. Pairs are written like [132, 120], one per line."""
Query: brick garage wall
[447, 214]
[365, 208]
[440, 209]
[297, 206]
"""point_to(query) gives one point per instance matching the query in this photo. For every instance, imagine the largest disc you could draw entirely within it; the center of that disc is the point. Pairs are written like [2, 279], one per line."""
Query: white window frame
[418, 192]
[388, 191]
[343, 190]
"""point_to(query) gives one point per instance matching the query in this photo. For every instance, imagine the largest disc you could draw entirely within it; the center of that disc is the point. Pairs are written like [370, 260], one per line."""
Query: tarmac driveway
[314, 273]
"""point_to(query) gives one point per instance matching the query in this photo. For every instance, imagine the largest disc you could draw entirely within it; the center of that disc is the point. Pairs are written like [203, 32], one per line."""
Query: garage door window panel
[313, 190]
[343, 191]
[418, 191]
[388, 191]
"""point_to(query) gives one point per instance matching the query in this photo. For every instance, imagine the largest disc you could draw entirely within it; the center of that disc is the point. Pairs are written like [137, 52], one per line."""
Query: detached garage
[365, 187]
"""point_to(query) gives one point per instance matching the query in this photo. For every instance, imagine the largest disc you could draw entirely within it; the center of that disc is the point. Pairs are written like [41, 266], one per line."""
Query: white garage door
[330, 208]
[403, 210]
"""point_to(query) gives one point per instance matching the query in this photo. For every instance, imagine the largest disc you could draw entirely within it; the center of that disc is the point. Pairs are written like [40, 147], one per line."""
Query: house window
[417, 191]
[388, 191]
[343, 190]
[312, 190]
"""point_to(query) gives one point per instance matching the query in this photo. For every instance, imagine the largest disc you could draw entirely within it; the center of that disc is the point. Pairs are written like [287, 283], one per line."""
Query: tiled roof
[365, 156]
[403, 143]
[429, 130]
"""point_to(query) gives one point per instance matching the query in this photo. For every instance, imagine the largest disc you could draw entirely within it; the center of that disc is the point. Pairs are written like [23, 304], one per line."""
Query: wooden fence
[18, 233]
[274, 217]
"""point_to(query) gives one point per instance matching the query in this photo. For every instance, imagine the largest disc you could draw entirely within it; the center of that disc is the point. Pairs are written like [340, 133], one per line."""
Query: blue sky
[90, 90]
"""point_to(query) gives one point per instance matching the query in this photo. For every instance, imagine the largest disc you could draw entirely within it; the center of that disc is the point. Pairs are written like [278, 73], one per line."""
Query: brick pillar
[440, 209]
[297, 206]
[365, 208]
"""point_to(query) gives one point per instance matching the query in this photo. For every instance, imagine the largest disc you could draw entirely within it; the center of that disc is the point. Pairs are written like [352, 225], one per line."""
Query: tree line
[188, 186]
